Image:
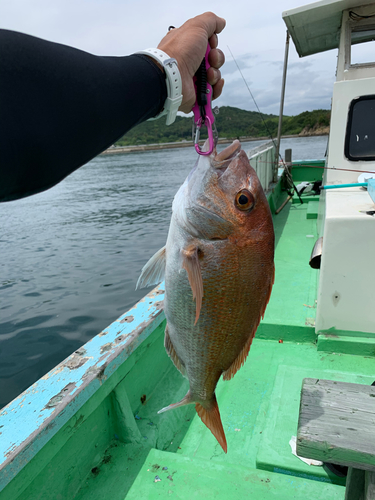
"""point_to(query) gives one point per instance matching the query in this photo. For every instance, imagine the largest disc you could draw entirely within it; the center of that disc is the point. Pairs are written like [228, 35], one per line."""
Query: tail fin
[211, 419]
[187, 400]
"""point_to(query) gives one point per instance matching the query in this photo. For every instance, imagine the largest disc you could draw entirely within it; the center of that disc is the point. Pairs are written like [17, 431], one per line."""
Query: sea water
[70, 257]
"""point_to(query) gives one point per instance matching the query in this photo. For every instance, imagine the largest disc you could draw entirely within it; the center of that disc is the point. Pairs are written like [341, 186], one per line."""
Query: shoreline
[174, 145]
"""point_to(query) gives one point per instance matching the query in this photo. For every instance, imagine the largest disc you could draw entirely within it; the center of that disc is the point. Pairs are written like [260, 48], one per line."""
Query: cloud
[255, 34]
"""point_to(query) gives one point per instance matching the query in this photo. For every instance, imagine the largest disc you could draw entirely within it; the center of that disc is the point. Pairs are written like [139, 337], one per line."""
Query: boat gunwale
[57, 396]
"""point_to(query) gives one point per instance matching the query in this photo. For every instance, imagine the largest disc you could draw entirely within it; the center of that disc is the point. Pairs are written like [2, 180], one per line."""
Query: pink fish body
[219, 271]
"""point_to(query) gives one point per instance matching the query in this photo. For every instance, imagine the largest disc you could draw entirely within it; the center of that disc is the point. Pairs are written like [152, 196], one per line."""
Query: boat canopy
[316, 27]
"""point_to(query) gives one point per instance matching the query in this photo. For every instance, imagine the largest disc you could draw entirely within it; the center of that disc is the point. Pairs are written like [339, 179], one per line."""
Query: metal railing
[262, 159]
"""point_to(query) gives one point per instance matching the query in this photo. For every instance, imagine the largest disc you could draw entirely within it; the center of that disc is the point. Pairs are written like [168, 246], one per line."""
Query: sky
[255, 34]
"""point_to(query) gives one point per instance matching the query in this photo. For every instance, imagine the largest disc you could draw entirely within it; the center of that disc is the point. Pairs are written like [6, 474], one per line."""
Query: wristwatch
[173, 81]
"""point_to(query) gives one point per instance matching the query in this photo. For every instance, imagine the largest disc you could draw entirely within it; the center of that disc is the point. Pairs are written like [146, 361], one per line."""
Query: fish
[218, 267]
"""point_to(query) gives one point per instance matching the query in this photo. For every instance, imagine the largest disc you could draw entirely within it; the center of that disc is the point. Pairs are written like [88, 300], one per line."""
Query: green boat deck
[118, 447]
[260, 406]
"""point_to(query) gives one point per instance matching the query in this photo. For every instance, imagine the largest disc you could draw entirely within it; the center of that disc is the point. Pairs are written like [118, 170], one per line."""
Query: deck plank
[274, 451]
[336, 423]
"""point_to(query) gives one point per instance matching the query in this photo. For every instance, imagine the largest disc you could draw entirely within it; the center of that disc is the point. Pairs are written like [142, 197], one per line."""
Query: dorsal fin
[190, 262]
[241, 358]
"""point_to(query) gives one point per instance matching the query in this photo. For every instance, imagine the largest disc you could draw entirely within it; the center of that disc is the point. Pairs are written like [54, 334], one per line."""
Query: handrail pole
[275, 172]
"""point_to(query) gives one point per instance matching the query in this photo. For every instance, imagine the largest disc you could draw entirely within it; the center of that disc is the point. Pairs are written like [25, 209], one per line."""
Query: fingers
[213, 41]
[213, 76]
[211, 22]
[214, 79]
[216, 58]
[217, 89]
[188, 45]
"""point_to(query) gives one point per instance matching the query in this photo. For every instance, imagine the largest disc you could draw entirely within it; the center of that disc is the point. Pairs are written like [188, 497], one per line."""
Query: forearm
[60, 107]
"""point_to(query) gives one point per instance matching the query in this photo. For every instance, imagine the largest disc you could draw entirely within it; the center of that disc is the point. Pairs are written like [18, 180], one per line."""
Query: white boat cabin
[346, 220]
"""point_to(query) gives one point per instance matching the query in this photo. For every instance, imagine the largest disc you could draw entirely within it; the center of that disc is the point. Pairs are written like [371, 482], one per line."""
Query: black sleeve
[60, 107]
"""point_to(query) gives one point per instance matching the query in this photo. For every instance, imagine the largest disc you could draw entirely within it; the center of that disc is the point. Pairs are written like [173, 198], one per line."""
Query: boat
[89, 429]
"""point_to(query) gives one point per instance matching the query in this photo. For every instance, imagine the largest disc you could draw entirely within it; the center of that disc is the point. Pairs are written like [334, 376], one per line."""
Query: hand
[188, 45]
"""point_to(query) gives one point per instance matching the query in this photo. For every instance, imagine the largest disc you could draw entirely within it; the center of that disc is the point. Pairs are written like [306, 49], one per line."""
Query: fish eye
[244, 200]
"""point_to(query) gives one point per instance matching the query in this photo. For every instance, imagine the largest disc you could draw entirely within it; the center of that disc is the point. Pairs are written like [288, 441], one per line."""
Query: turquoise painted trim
[339, 186]
[313, 161]
[371, 189]
[302, 474]
[34, 417]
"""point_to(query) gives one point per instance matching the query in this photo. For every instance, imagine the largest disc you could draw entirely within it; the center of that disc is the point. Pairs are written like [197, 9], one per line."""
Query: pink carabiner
[211, 143]
[204, 116]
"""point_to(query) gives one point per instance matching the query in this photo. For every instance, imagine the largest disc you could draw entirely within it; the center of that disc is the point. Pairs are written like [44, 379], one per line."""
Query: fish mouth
[222, 160]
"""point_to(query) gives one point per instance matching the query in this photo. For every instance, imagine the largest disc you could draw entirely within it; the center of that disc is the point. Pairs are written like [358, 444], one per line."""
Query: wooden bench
[337, 425]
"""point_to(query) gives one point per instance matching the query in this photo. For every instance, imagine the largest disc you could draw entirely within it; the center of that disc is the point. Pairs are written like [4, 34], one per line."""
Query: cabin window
[360, 131]
[362, 46]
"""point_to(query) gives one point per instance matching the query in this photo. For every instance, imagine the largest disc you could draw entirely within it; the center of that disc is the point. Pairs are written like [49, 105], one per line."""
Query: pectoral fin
[153, 272]
[190, 262]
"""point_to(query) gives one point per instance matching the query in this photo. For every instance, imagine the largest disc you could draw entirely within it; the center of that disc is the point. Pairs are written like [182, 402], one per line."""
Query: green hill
[231, 122]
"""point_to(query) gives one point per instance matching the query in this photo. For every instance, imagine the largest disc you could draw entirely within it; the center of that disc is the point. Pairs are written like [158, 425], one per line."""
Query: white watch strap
[173, 81]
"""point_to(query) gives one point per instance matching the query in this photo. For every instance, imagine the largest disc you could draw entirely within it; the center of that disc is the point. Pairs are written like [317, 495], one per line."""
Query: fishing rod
[330, 168]
[342, 169]
[286, 169]
[248, 88]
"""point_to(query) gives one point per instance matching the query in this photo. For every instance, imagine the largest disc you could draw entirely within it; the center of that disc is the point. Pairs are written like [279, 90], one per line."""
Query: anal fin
[209, 415]
[190, 262]
[169, 347]
[187, 400]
